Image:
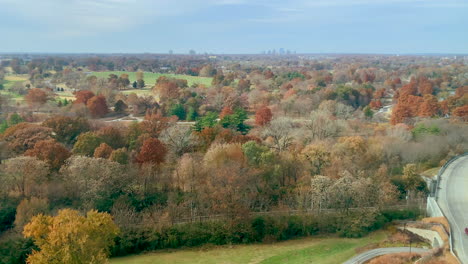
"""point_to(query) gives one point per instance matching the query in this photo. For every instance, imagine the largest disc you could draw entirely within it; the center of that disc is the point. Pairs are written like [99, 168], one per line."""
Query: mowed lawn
[150, 78]
[306, 250]
[9, 81]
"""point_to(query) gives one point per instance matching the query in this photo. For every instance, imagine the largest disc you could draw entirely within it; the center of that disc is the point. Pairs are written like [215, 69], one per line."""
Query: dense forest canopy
[160, 140]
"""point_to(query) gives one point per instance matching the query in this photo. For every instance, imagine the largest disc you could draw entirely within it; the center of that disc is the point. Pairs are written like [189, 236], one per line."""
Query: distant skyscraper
[281, 51]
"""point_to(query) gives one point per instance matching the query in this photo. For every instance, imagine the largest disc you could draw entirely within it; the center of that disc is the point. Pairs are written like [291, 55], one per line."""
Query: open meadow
[306, 250]
[150, 77]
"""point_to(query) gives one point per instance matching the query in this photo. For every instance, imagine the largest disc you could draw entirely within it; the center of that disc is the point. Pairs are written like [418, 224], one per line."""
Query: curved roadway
[453, 200]
[368, 255]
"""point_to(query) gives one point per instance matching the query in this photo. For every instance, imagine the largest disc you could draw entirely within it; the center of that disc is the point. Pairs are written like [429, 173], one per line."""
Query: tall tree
[153, 151]
[97, 106]
[82, 97]
[71, 238]
[51, 152]
[36, 97]
[263, 116]
[67, 129]
[24, 176]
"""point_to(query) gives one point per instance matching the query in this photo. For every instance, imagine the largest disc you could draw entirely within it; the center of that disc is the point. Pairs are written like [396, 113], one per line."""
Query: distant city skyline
[235, 26]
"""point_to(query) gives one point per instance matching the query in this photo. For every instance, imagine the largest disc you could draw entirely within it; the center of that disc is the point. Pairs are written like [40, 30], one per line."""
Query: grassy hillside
[150, 78]
[307, 250]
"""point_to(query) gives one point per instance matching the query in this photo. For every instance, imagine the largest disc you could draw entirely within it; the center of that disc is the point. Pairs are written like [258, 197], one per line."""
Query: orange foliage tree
[97, 106]
[461, 112]
[24, 136]
[429, 107]
[263, 116]
[82, 97]
[152, 151]
[51, 152]
[36, 97]
[103, 151]
[227, 110]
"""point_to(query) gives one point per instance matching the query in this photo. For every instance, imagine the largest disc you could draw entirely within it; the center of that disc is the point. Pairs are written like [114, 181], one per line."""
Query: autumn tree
[152, 151]
[155, 123]
[95, 182]
[67, 129]
[87, 143]
[139, 75]
[120, 156]
[51, 152]
[281, 132]
[123, 81]
[29, 208]
[71, 238]
[207, 71]
[82, 97]
[36, 97]
[112, 136]
[263, 116]
[461, 112]
[178, 139]
[24, 176]
[103, 151]
[97, 106]
[429, 107]
[321, 125]
[166, 88]
[24, 136]
[227, 110]
[318, 156]
[425, 87]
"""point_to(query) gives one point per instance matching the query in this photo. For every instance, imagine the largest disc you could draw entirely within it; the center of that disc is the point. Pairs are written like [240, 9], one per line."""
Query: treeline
[256, 229]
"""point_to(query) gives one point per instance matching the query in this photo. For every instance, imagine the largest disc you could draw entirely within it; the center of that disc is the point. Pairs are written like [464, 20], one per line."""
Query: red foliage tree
[425, 87]
[263, 116]
[112, 136]
[51, 152]
[97, 106]
[155, 123]
[407, 107]
[82, 97]
[227, 110]
[24, 136]
[36, 97]
[375, 104]
[461, 112]
[429, 107]
[152, 151]
[103, 151]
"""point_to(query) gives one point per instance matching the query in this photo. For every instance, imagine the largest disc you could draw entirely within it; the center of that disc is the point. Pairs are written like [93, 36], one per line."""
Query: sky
[234, 26]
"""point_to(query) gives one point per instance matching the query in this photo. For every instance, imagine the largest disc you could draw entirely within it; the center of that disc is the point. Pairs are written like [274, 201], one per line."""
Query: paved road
[368, 255]
[453, 200]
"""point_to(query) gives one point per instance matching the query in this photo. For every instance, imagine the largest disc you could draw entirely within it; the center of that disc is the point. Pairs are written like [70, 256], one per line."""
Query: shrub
[15, 251]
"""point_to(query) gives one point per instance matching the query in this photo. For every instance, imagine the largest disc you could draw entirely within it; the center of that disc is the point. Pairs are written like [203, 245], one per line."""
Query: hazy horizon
[235, 26]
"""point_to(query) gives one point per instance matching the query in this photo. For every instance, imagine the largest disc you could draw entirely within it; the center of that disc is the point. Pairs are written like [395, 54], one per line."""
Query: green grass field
[306, 250]
[150, 78]
[9, 81]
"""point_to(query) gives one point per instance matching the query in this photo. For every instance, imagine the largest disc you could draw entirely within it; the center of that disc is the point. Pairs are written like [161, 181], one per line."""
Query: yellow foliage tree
[71, 238]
